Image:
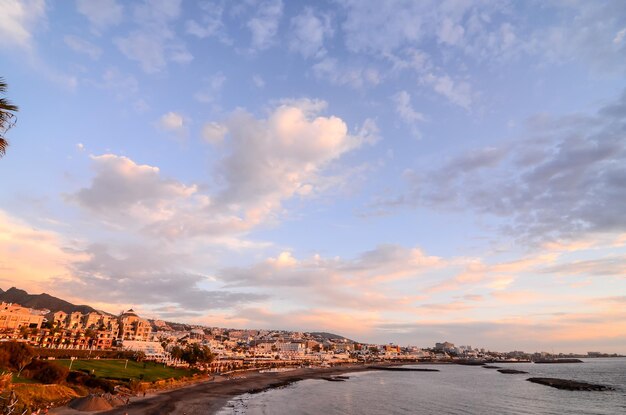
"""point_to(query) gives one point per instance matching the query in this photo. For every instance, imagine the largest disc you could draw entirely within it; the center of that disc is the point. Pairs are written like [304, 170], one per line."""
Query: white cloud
[367, 27]
[209, 24]
[357, 76]
[154, 42]
[267, 162]
[145, 48]
[309, 32]
[83, 46]
[595, 40]
[619, 36]
[258, 81]
[122, 85]
[124, 192]
[264, 25]
[211, 89]
[101, 13]
[213, 132]
[272, 159]
[457, 92]
[449, 32]
[18, 18]
[172, 121]
[364, 283]
[31, 256]
[406, 112]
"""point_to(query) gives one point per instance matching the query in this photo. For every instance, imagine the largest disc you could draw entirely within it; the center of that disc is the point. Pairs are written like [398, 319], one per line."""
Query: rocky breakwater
[401, 369]
[512, 371]
[570, 385]
[558, 361]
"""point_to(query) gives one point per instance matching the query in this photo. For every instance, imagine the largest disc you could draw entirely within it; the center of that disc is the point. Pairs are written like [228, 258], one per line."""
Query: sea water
[455, 389]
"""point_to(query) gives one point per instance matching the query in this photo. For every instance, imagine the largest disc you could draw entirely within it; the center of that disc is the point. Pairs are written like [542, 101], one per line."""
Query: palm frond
[7, 117]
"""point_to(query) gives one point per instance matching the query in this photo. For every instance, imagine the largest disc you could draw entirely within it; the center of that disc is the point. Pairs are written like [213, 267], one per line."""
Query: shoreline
[209, 396]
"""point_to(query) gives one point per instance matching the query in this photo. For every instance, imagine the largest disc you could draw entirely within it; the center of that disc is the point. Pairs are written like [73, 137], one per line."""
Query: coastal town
[230, 349]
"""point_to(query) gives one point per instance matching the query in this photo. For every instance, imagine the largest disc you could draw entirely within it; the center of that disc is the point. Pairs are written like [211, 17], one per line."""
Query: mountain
[41, 301]
[329, 336]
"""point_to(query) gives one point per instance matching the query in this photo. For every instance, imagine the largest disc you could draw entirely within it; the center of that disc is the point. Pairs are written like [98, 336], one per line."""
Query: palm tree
[7, 117]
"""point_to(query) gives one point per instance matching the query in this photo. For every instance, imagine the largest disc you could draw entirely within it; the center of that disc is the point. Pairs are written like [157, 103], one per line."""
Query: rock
[570, 385]
[333, 379]
[558, 361]
[470, 362]
[402, 369]
[511, 371]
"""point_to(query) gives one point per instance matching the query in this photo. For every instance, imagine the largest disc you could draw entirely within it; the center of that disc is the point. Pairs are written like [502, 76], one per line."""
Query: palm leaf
[7, 117]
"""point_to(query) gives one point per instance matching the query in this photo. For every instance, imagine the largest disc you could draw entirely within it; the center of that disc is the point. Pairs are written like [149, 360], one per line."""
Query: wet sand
[209, 396]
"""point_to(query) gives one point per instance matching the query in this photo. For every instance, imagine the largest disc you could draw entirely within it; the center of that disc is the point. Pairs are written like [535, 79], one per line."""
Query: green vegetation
[15, 379]
[7, 117]
[114, 369]
[193, 354]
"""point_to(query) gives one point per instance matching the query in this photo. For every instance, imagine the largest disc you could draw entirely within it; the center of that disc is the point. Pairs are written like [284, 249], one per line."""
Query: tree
[19, 355]
[47, 372]
[7, 117]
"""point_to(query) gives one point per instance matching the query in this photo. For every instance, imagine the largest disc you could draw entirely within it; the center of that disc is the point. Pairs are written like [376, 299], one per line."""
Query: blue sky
[395, 171]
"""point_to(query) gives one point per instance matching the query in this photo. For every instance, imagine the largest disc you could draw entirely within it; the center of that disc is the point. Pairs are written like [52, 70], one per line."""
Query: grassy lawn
[115, 369]
[15, 379]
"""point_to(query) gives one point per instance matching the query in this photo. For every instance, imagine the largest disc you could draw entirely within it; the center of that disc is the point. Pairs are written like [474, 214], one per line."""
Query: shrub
[47, 372]
[15, 355]
[91, 381]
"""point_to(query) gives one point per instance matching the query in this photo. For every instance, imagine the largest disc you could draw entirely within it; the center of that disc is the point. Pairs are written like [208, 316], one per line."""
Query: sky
[392, 171]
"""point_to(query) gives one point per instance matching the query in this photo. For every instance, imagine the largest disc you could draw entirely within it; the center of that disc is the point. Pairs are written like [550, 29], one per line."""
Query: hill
[329, 336]
[41, 301]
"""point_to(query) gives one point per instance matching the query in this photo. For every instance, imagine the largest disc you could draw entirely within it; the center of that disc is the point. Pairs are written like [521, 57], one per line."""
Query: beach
[209, 396]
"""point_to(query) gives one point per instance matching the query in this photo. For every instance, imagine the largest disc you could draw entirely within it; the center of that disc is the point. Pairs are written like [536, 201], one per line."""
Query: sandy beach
[209, 396]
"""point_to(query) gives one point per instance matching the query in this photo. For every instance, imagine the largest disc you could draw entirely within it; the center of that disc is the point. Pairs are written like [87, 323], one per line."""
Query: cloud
[305, 320]
[406, 112]
[82, 46]
[611, 266]
[125, 192]
[593, 41]
[147, 274]
[362, 284]
[266, 162]
[30, 256]
[457, 92]
[275, 158]
[210, 23]
[122, 85]
[264, 25]
[101, 14]
[367, 27]
[562, 181]
[576, 332]
[154, 42]
[309, 33]
[450, 32]
[619, 37]
[212, 88]
[337, 73]
[213, 132]
[173, 121]
[18, 20]
[269, 161]
[258, 81]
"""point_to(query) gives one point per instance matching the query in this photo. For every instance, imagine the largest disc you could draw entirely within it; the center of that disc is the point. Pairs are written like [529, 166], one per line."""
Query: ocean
[454, 390]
